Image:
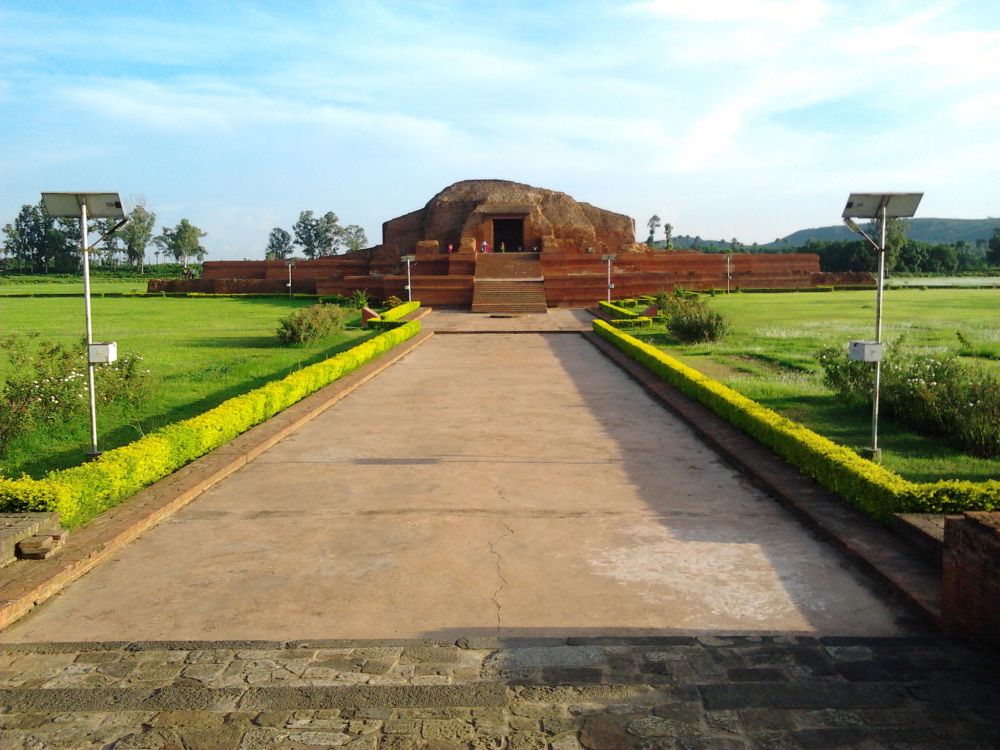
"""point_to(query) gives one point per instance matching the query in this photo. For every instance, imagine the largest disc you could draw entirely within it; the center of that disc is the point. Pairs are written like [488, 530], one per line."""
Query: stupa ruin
[500, 246]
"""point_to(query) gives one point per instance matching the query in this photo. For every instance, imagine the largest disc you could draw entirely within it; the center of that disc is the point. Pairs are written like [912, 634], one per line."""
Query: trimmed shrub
[400, 311]
[874, 489]
[82, 492]
[616, 311]
[312, 324]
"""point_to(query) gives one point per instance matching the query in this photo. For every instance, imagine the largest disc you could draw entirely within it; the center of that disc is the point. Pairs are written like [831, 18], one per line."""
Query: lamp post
[610, 259]
[729, 271]
[879, 207]
[85, 206]
[291, 265]
[409, 286]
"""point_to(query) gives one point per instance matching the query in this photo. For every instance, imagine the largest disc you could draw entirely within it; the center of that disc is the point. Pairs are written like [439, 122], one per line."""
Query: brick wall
[970, 583]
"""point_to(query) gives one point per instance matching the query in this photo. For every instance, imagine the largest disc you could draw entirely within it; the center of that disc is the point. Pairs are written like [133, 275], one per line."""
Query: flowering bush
[312, 324]
[46, 383]
[935, 395]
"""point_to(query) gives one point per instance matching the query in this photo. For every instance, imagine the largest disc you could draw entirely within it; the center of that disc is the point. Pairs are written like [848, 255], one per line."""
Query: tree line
[902, 254]
[316, 236]
[35, 242]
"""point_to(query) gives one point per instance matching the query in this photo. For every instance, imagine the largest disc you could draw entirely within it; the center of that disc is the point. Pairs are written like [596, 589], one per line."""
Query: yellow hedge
[82, 492]
[874, 489]
[400, 311]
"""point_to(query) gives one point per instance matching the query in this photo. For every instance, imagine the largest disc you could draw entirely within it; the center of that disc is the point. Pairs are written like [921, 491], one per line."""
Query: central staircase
[508, 284]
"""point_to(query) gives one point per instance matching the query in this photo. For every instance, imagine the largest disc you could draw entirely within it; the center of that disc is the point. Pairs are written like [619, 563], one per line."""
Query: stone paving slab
[553, 694]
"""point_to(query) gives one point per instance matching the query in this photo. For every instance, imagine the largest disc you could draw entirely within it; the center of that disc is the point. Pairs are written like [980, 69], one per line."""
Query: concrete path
[556, 320]
[489, 484]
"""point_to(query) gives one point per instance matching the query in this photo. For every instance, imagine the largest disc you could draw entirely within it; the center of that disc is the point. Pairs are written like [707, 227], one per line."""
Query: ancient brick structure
[522, 217]
[970, 584]
[540, 228]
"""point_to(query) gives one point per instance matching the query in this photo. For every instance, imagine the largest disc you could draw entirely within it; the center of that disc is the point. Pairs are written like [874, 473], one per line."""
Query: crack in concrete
[495, 552]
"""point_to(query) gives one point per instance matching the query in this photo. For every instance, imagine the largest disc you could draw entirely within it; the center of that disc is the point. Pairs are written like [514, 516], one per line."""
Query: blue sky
[742, 118]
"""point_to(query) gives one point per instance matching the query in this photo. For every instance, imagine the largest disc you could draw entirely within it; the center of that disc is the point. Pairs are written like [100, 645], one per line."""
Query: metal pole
[90, 336]
[609, 280]
[729, 271]
[409, 283]
[289, 280]
[876, 452]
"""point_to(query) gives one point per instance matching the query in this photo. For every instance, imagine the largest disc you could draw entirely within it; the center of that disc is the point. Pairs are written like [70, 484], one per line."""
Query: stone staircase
[508, 284]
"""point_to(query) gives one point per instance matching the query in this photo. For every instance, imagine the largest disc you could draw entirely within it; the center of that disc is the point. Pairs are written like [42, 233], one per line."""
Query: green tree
[942, 259]
[354, 238]
[668, 235]
[993, 253]
[279, 244]
[137, 234]
[112, 244]
[895, 239]
[653, 224]
[182, 241]
[317, 236]
[40, 243]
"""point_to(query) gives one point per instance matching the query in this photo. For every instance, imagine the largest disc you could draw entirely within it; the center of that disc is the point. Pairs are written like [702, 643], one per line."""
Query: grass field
[769, 357]
[21, 285]
[200, 352]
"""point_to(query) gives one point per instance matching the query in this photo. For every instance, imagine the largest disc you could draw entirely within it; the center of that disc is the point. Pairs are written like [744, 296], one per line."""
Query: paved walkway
[537, 556]
[485, 484]
[556, 320]
[600, 694]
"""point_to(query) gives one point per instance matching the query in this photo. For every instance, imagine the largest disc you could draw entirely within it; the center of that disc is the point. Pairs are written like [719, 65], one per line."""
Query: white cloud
[784, 14]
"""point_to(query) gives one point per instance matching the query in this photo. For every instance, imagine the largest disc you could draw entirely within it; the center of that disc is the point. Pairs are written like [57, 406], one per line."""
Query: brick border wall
[970, 582]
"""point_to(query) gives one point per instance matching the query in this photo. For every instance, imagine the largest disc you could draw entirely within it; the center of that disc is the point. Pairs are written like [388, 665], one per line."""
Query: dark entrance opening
[510, 232]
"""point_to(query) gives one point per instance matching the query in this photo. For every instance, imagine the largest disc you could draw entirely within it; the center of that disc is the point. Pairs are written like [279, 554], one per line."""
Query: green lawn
[769, 357]
[21, 285]
[200, 351]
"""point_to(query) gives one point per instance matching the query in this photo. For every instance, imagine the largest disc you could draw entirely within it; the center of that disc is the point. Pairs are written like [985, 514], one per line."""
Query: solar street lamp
[610, 259]
[879, 207]
[291, 265]
[408, 259]
[85, 206]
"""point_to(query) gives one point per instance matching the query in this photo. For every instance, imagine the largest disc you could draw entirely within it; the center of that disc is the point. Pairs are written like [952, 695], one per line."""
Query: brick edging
[871, 547]
[28, 583]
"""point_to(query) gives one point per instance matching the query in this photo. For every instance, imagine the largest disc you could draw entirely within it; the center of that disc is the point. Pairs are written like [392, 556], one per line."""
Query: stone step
[509, 297]
[553, 693]
[19, 527]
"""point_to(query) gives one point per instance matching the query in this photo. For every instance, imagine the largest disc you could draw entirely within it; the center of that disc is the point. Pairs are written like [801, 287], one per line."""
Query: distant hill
[921, 230]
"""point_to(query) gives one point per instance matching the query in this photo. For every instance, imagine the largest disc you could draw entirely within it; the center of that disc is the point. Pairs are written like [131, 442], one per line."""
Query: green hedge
[876, 490]
[82, 492]
[400, 311]
[615, 311]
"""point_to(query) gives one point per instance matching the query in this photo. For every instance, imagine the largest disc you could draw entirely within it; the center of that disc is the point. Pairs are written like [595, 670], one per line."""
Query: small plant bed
[770, 355]
[195, 354]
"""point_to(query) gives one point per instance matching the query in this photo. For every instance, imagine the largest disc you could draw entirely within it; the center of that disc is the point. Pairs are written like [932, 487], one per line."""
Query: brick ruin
[552, 244]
